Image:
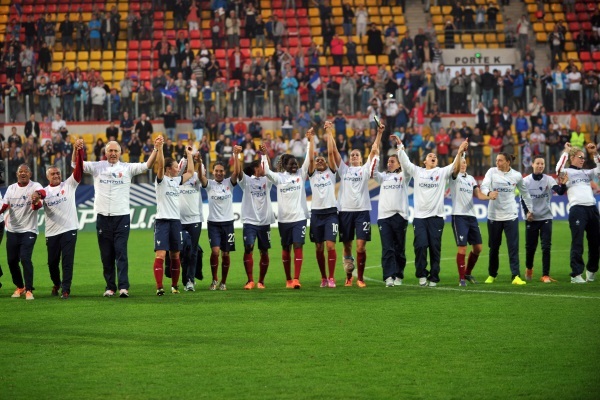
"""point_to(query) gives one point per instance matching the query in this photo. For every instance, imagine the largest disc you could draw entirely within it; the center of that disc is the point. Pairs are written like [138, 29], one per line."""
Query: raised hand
[263, 148]
[237, 150]
[310, 134]
[398, 141]
[591, 148]
[567, 147]
[464, 145]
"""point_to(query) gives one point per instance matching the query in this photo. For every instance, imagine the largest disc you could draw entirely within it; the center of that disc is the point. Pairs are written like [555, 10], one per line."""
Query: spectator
[362, 19]
[442, 143]
[98, 95]
[59, 126]
[255, 129]
[337, 50]
[374, 41]
[521, 123]
[476, 143]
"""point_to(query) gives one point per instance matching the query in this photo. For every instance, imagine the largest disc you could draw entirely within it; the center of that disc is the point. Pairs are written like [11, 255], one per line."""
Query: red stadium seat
[146, 45]
[596, 56]
[134, 45]
[146, 54]
[571, 17]
[145, 65]
[588, 66]
[584, 56]
[195, 35]
[145, 75]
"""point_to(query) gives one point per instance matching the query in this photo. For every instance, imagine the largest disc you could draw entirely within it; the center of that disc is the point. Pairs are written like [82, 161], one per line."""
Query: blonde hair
[573, 152]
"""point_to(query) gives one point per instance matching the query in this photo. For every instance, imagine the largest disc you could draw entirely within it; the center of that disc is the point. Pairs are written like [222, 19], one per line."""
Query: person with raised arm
[354, 206]
[324, 221]
[221, 234]
[463, 187]
[500, 184]
[584, 218]
[62, 223]
[167, 224]
[292, 210]
[257, 216]
[428, 223]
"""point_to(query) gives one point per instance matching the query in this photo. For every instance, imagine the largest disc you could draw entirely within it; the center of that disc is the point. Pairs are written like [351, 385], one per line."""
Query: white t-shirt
[393, 194]
[19, 217]
[220, 200]
[354, 187]
[541, 195]
[112, 184]
[322, 184]
[60, 207]
[579, 190]
[461, 190]
[291, 196]
[505, 207]
[190, 201]
[429, 186]
[167, 197]
[573, 76]
[256, 203]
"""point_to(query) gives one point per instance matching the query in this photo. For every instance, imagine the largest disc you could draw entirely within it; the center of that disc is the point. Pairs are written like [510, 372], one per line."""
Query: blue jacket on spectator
[521, 124]
[518, 83]
[339, 123]
[402, 118]
[289, 85]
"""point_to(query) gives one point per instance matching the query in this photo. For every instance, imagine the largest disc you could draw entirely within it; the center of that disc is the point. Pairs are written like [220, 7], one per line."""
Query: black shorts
[221, 235]
[324, 227]
[292, 232]
[466, 230]
[261, 233]
[167, 235]
[355, 222]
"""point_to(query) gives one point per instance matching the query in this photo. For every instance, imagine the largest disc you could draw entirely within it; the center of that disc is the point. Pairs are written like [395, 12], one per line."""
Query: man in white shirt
[22, 202]
[62, 224]
[112, 183]
[574, 78]
[59, 126]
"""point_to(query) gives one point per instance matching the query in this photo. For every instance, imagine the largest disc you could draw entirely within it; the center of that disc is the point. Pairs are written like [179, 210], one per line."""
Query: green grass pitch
[499, 341]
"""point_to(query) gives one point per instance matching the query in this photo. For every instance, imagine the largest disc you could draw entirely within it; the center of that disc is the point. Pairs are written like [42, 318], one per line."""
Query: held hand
[493, 195]
[381, 128]
[263, 148]
[237, 150]
[567, 147]
[398, 141]
[591, 148]
[563, 178]
[35, 197]
[189, 150]
[463, 146]
[309, 134]
[530, 216]
[328, 125]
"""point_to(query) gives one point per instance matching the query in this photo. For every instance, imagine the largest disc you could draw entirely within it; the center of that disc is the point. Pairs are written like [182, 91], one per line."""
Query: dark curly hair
[283, 160]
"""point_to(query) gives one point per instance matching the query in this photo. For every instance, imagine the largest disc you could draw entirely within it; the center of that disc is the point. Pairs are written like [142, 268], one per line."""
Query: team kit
[344, 218]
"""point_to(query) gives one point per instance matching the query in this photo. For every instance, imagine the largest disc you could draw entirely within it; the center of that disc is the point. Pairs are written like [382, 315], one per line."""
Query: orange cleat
[361, 284]
[296, 284]
[547, 279]
[18, 293]
[348, 282]
[29, 295]
[289, 284]
[260, 285]
[528, 274]
[249, 285]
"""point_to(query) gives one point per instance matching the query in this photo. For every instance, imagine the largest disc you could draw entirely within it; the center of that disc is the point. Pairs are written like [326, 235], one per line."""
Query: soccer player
[428, 223]
[112, 184]
[190, 212]
[354, 206]
[499, 184]
[167, 224]
[62, 223]
[221, 234]
[292, 210]
[324, 222]
[464, 223]
[540, 187]
[257, 217]
[22, 202]
[392, 219]
[583, 213]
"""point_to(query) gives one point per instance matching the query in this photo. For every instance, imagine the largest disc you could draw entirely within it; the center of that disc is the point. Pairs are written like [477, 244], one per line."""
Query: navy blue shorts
[221, 235]
[292, 232]
[355, 222]
[262, 233]
[466, 230]
[167, 235]
[324, 227]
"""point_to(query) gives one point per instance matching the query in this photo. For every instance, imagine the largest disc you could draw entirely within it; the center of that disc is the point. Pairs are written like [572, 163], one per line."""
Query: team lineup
[178, 222]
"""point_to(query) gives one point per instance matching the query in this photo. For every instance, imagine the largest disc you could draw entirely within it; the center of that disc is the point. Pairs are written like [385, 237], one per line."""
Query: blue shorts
[167, 235]
[262, 233]
[466, 230]
[324, 227]
[221, 235]
[292, 232]
[355, 222]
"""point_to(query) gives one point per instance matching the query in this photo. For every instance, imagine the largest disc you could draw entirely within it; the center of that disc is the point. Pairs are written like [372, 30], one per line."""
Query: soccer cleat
[175, 289]
[260, 285]
[471, 279]
[397, 282]
[577, 279]
[518, 281]
[160, 292]
[323, 282]
[55, 290]
[590, 276]
[528, 274]
[296, 284]
[64, 296]
[213, 285]
[490, 279]
[432, 284]
[29, 295]
[123, 293]
[222, 286]
[190, 287]
[348, 282]
[547, 279]
[462, 283]
[422, 281]
[361, 284]
[109, 293]
[331, 282]
[18, 293]
[289, 284]
[389, 282]
[348, 264]
[249, 285]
